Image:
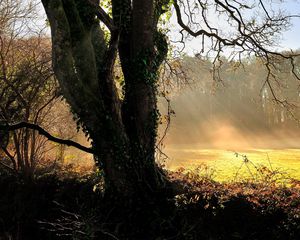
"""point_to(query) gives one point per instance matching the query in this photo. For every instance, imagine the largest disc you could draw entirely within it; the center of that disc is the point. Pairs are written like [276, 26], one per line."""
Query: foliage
[65, 206]
[24, 203]
[245, 210]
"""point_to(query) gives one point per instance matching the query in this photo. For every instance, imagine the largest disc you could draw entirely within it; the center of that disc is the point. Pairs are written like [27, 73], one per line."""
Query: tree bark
[123, 132]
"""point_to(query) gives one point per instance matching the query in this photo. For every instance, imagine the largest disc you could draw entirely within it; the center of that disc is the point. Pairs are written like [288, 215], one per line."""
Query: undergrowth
[69, 205]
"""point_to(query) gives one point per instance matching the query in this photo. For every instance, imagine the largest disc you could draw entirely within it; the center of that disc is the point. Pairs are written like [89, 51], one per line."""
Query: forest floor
[71, 206]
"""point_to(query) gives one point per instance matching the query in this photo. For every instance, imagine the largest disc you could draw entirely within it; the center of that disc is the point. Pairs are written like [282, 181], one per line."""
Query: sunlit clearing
[214, 122]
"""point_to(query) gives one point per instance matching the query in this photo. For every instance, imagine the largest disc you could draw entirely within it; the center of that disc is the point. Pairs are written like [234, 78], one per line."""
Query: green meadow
[227, 165]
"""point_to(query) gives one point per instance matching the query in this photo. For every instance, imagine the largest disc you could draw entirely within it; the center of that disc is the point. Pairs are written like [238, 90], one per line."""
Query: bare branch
[7, 167]
[43, 132]
[200, 32]
[11, 157]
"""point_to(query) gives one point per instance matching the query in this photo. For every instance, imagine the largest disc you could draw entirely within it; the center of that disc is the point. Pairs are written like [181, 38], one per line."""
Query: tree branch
[7, 167]
[11, 157]
[46, 134]
[200, 32]
[103, 16]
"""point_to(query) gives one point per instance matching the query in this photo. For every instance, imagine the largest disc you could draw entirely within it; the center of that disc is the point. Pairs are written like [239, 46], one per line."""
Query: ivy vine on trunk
[123, 132]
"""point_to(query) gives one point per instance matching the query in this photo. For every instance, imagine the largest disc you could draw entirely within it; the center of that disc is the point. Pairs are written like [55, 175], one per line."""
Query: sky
[289, 39]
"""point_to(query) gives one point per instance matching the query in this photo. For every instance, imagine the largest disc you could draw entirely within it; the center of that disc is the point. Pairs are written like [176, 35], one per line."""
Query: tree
[27, 91]
[27, 87]
[123, 130]
[124, 134]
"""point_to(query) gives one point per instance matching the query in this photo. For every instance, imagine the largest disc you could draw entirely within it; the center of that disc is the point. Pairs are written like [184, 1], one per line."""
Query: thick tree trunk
[123, 141]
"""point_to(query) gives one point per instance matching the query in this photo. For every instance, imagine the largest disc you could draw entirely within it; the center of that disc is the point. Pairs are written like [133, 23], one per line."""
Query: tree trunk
[123, 132]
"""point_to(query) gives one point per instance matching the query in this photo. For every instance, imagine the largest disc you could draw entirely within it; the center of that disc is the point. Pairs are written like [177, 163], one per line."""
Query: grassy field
[226, 165]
